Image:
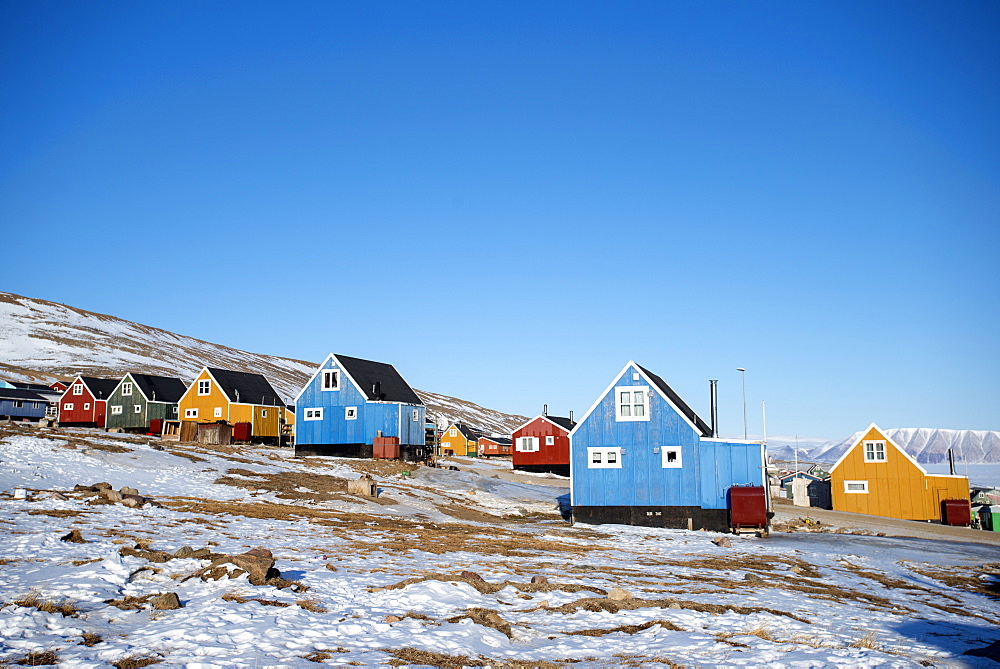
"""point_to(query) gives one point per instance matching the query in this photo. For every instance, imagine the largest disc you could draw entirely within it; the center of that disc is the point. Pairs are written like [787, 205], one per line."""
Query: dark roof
[561, 421]
[245, 387]
[468, 431]
[160, 388]
[20, 394]
[702, 426]
[100, 388]
[33, 387]
[500, 441]
[390, 385]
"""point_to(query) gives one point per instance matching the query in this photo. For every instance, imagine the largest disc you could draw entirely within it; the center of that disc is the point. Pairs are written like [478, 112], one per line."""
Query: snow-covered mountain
[928, 445]
[41, 340]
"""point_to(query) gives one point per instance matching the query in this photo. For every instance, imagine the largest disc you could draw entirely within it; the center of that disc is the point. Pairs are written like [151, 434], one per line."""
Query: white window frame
[204, 387]
[641, 392]
[313, 413]
[191, 413]
[126, 389]
[217, 413]
[878, 448]
[77, 388]
[604, 457]
[263, 413]
[350, 413]
[330, 379]
[678, 462]
[527, 444]
[550, 440]
[416, 415]
[86, 406]
[137, 408]
[18, 404]
[173, 409]
[68, 406]
[862, 491]
[453, 432]
[116, 409]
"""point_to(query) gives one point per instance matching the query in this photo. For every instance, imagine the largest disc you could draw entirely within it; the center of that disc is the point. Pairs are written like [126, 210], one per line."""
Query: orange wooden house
[489, 446]
[877, 477]
[459, 439]
[222, 395]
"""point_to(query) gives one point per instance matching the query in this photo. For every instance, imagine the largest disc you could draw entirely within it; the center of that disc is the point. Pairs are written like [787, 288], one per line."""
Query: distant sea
[979, 475]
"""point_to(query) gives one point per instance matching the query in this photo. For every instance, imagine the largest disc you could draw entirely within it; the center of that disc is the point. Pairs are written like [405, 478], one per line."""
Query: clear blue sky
[510, 200]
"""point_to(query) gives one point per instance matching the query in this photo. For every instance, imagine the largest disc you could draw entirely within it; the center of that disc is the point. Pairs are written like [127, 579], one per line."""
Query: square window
[453, 432]
[874, 451]
[173, 409]
[137, 408]
[126, 389]
[218, 412]
[313, 414]
[550, 440]
[331, 379]
[205, 387]
[190, 413]
[78, 389]
[86, 407]
[670, 457]
[68, 406]
[856, 487]
[350, 413]
[631, 403]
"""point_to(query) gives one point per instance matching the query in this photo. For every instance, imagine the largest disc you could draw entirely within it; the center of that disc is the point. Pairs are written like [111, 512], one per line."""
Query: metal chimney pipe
[571, 416]
[951, 462]
[545, 409]
[714, 405]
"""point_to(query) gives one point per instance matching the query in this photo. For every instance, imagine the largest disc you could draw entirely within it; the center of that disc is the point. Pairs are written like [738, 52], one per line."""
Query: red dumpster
[385, 448]
[242, 432]
[956, 512]
[747, 507]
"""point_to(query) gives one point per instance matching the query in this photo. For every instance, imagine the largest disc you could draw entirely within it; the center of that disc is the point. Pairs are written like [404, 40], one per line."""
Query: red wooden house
[542, 445]
[85, 402]
[490, 446]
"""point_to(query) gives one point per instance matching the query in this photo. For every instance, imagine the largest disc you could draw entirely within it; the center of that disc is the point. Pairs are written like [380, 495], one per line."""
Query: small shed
[215, 433]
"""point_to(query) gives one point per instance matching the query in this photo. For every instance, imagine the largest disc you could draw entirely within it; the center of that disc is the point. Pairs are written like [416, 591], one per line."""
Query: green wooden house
[140, 398]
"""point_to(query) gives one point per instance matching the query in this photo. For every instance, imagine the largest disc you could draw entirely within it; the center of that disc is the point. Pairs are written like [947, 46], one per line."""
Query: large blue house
[641, 456]
[349, 402]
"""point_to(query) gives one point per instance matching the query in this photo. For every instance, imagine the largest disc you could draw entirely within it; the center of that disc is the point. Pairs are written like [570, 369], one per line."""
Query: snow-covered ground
[380, 580]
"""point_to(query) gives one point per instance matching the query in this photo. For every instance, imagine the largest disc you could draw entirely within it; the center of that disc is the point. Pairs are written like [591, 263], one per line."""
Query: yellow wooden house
[877, 477]
[459, 439]
[233, 397]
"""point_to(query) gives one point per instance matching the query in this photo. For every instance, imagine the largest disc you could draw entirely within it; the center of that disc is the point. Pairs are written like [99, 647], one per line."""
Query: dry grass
[58, 513]
[486, 618]
[34, 600]
[488, 588]
[629, 629]
[761, 631]
[135, 661]
[240, 599]
[130, 603]
[91, 639]
[614, 606]
[405, 656]
[110, 448]
[867, 641]
[313, 605]
[289, 485]
[961, 580]
[39, 659]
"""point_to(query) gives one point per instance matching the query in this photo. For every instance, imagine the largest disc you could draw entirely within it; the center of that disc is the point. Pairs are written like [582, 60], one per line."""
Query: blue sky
[508, 201]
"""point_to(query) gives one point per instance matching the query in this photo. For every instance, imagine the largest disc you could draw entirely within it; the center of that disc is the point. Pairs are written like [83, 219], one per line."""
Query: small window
[78, 389]
[856, 487]
[126, 389]
[86, 407]
[205, 387]
[263, 413]
[331, 379]
[416, 415]
[874, 451]
[527, 444]
[18, 404]
[218, 412]
[630, 403]
[604, 457]
[671, 457]
[350, 413]
[190, 413]
[68, 406]
[453, 432]
[313, 414]
[550, 440]
[173, 409]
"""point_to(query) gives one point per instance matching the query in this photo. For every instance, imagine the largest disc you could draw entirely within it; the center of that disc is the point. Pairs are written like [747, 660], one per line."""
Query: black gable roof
[391, 386]
[468, 431]
[20, 394]
[561, 421]
[245, 387]
[160, 388]
[100, 388]
[499, 441]
[702, 426]
[33, 387]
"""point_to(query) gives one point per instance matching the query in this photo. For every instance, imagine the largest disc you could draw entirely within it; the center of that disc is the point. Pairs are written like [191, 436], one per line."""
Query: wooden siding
[897, 488]
[128, 418]
[708, 468]
[96, 414]
[393, 419]
[232, 412]
[458, 444]
[28, 408]
[556, 454]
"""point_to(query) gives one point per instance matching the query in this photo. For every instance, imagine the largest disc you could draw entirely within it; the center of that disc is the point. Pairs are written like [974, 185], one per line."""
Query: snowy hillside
[250, 557]
[927, 445]
[40, 340]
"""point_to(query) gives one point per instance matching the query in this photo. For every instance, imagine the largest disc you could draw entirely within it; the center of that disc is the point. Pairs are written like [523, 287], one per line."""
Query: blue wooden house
[642, 456]
[21, 404]
[349, 402]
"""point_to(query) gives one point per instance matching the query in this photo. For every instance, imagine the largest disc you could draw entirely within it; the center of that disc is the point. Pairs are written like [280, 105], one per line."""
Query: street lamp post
[743, 376]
